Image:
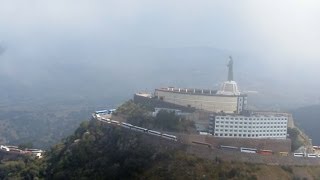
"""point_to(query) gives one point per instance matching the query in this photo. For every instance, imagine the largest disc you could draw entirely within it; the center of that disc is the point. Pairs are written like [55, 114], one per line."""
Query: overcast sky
[283, 32]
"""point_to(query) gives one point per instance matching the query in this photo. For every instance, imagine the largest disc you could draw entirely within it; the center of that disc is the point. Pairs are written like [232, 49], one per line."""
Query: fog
[111, 49]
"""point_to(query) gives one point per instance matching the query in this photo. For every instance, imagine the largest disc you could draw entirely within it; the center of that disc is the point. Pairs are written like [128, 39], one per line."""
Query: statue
[230, 71]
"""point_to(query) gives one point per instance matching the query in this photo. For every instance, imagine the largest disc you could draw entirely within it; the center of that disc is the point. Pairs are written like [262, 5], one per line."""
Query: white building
[202, 99]
[254, 126]
[228, 98]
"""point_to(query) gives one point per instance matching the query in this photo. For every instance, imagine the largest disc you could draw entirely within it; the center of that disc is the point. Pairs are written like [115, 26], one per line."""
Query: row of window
[282, 135]
[251, 127]
[236, 130]
[244, 118]
[227, 122]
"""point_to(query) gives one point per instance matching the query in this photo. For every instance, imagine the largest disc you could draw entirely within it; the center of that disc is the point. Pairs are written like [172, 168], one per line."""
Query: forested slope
[308, 119]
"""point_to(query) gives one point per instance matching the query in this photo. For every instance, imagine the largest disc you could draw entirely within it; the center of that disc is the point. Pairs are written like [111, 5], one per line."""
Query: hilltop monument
[229, 87]
[230, 71]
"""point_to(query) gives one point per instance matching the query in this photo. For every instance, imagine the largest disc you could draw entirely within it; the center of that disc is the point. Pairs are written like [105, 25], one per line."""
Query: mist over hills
[80, 78]
[99, 73]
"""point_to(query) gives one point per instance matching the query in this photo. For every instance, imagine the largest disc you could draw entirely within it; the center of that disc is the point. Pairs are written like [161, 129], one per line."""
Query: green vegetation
[26, 145]
[22, 168]
[295, 140]
[164, 121]
[43, 125]
[170, 122]
[100, 151]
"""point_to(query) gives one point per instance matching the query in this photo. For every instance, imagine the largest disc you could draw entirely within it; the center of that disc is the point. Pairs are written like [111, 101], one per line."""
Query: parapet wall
[213, 103]
[276, 145]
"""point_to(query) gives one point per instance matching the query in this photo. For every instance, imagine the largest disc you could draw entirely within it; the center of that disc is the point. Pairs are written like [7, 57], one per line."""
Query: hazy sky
[286, 33]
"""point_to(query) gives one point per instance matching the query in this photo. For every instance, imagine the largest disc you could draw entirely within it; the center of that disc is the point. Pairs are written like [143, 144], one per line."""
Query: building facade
[254, 126]
[207, 100]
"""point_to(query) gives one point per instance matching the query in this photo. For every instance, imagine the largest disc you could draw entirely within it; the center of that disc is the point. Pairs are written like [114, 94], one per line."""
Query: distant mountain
[84, 79]
[100, 151]
[308, 119]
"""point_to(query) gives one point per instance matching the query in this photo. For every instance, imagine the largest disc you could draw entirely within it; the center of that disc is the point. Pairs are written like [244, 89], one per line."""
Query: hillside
[42, 98]
[104, 151]
[308, 119]
[43, 124]
[100, 151]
